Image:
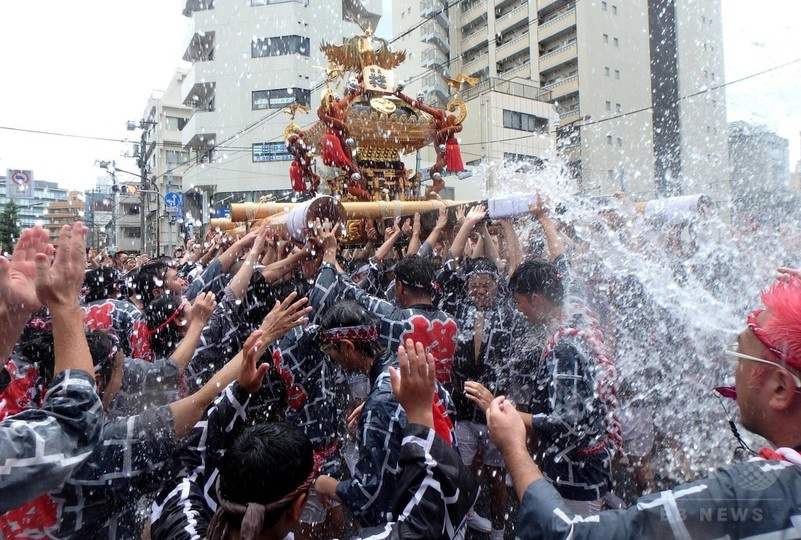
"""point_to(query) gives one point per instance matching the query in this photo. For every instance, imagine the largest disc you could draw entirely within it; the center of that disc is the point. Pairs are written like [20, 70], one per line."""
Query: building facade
[633, 84]
[249, 61]
[32, 209]
[165, 160]
[759, 168]
[64, 212]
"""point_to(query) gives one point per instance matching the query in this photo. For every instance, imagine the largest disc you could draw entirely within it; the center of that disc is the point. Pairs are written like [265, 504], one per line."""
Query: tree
[9, 226]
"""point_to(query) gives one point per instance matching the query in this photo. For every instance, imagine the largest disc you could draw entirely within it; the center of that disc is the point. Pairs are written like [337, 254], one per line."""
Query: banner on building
[19, 184]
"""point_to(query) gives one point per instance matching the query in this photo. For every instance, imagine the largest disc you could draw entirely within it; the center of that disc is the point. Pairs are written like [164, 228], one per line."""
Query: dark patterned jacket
[127, 322]
[369, 493]
[424, 323]
[40, 448]
[567, 409]
[434, 491]
[758, 499]
[497, 364]
[185, 505]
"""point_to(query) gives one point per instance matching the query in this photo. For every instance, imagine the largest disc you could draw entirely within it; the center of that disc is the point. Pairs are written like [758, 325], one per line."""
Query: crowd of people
[447, 376]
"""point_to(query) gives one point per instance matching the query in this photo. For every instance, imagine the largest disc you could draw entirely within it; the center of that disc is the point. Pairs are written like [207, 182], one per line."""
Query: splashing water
[670, 294]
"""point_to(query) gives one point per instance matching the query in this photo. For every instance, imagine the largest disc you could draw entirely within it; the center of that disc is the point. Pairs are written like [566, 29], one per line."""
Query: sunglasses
[731, 350]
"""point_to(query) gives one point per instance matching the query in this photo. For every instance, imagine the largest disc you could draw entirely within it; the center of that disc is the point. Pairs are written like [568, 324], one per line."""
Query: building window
[617, 74]
[606, 38]
[620, 141]
[176, 157]
[524, 122]
[173, 123]
[608, 105]
[279, 46]
[618, 108]
[611, 174]
[131, 232]
[277, 99]
[616, 42]
[603, 6]
[614, 10]
[609, 140]
[606, 71]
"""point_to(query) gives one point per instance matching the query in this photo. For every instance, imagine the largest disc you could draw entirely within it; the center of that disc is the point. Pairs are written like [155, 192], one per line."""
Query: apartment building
[166, 159]
[250, 60]
[64, 212]
[31, 210]
[632, 83]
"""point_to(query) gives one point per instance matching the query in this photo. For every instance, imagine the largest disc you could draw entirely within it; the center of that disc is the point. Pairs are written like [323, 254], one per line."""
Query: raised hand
[59, 278]
[284, 316]
[460, 215]
[250, 377]
[505, 424]
[202, 308]
[478, 394]
[538, 208]
[416, 225]
[414, 382]
[476, 214]
[442, 218]
[407, 227]
[18, 276]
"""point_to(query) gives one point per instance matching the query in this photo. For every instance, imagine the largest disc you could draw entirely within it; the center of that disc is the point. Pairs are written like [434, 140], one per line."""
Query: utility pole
[143, 185]
[111, 168]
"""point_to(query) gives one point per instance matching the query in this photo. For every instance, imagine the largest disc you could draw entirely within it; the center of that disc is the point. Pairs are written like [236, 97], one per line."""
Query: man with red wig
[757, 499]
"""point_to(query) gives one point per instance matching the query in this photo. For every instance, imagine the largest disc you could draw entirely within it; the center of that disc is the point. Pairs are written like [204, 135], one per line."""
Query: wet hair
[265, 463]
[165, 340]
[783, 329]
[150, 277]
[260, 296]
[349, 313]
[41, 350]
[102, 346]
[416, 273]
[538, 276]
[100, 283]
[481, 265]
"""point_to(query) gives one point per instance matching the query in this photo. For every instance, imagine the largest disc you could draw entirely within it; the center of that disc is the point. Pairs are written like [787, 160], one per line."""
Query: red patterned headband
[362, 334]
[762, 336]
[171, 318]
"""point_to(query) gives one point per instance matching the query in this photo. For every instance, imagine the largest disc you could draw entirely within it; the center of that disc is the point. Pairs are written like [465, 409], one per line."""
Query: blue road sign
[174, 202]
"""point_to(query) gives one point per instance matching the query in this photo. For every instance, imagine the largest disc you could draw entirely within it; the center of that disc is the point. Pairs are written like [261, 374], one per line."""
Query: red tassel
[442, 422]
[333, 154]
[453, 157]
[296, 176]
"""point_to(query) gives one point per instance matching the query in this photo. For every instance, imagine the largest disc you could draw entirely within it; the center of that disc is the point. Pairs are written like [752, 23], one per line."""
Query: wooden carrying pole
[246, 212]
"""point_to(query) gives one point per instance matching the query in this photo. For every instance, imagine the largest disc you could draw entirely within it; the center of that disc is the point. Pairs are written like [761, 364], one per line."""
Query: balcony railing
[476, 8]
[470, 66]
[510, 88]
[514, 40]
[563, 82]
[557, 51]
[509, 72]
[565, 15]
[511, 14]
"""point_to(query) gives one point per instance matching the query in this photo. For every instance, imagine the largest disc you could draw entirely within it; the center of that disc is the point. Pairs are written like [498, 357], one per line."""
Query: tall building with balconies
[634, 86]
[166, 160]
[250, 60]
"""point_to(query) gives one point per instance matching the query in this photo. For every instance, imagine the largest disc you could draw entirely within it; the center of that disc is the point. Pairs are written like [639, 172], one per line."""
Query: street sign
[174, 202]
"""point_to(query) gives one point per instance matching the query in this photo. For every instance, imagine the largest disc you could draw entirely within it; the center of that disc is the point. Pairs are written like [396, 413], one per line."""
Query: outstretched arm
[473, 217]
[540, 213]
[18, 298]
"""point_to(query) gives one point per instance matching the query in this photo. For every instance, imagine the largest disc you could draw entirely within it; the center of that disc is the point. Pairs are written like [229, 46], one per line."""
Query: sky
[85, 68]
